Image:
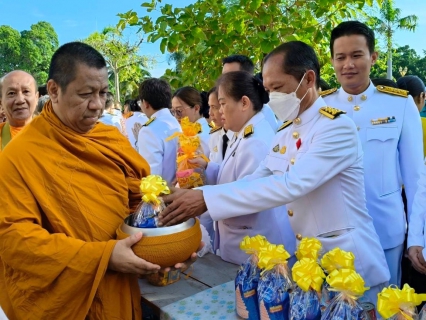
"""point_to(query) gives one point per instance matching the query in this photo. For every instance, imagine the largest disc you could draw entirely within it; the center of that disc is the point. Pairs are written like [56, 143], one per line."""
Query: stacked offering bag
[247, 278]
[400, 304]
[189, 175]
[145, 215]
[309, 278]
[274, 284]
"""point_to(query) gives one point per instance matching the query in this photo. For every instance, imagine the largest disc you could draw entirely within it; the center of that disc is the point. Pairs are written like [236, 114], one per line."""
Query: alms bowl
[164, 246]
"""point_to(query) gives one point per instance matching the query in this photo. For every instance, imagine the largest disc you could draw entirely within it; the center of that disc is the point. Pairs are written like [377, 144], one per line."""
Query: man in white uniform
[156, 100]
[314, 166]
[390, 131]
[238, 62]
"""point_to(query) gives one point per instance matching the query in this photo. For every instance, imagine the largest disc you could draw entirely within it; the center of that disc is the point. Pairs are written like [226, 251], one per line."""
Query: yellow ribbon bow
[151, 187]
[347, 281]
[190, 128]
[309, 248]
[272, 255]
[338, 259]
[308, 274]
[253, 245]
[393, 300]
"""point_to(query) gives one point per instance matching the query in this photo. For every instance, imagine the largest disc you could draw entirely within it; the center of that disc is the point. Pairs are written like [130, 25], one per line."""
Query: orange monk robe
[63, 195]
[13, 131]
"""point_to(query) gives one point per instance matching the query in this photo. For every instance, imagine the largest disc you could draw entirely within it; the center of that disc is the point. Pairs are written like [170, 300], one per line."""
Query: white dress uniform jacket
[416, 229]
[244, 154]
[321, 180]
[204, 135]
[216, 144]
[393, 155]
[270, 117]
[133, 125]
[152, 145]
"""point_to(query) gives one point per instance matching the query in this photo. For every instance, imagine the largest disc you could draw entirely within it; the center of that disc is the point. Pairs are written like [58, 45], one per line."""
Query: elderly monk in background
[18, 99]
[67, 182]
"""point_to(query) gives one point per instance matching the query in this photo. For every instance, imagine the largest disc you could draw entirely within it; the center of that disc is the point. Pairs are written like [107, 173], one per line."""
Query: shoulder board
[248, 131]
[149, 122]
[330, 112]
[284, 125]
[215, 129]
[394, 91]
[211, 125]
[327, 92]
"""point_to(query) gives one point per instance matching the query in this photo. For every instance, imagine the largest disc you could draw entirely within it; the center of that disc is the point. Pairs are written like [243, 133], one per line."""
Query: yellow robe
[13, 131]
[63, 195]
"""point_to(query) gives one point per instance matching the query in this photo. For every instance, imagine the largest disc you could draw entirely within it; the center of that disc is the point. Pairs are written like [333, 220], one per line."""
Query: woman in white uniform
[241, 99]
[188, 102]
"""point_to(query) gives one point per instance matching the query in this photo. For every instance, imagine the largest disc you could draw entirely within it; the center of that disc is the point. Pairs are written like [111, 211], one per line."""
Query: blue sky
[76, 19]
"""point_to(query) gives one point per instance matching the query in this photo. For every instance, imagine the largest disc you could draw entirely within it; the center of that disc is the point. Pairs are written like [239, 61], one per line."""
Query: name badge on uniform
[383, 120]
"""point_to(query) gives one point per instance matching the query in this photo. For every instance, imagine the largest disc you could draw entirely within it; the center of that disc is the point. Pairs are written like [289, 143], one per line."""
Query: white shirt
[113, 119]
[323, 189]
[152, 145]
[133, 124]
[204, 135]
[270, 117]
[393, 155]
[243, 156]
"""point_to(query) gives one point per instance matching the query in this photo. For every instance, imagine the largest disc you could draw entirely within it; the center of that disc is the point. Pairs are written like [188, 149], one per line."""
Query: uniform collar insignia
[215, 129]
[149, 122]
[284, 125]
[248, 131]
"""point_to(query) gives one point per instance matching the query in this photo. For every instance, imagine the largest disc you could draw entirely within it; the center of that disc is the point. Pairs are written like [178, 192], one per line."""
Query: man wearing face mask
[314, 166]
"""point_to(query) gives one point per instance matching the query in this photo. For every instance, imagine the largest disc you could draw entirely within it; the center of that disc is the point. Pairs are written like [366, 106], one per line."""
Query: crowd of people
[289, 158]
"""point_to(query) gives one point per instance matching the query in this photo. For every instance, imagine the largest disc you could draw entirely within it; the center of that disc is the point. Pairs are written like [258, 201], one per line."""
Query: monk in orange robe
[18, 99]
[67, 182]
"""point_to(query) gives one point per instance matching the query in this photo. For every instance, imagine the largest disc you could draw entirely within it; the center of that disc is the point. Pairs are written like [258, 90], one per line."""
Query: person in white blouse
[156, 96]
[188, 102]
[241, 97]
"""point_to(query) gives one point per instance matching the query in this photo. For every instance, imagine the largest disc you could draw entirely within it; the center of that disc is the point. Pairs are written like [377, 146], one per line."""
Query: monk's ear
[53, 90]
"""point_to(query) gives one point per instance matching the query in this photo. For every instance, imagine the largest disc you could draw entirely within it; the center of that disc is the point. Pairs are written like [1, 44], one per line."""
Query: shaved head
[18, 97]
[16, 72]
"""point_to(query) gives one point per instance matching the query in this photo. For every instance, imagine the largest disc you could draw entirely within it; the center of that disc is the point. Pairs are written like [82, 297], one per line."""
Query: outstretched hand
[182, 204]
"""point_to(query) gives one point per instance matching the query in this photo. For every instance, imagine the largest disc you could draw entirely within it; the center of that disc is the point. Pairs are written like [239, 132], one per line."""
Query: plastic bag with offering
[335, 259]
[399, 304]
[344, 306]
[189, 175]
[305, 299]
[146, 213]
[247, 278]
[275, 283]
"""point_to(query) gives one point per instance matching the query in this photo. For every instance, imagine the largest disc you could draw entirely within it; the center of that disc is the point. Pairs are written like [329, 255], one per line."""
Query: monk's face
[19, 97]
[82, 102]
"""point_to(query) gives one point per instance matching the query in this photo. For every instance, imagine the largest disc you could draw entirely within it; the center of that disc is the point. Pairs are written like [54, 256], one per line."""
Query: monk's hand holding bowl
[182, 266]
[124, 260]
[182, 204]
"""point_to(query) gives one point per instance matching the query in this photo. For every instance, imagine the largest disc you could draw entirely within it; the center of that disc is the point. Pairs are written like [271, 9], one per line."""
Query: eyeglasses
[178, 112]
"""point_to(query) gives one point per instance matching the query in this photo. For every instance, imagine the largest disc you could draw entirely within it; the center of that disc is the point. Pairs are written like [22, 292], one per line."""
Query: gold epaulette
[284, 125]
[215, 129]
[248, 131]
[149, 122]
[327, 92]
[394, 91]
[330, 112]
[211, 125]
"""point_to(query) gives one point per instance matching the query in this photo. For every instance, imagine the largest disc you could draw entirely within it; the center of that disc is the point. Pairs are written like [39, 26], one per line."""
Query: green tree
[387, 23]
[207, 31]
[30, 50]
[125, 65]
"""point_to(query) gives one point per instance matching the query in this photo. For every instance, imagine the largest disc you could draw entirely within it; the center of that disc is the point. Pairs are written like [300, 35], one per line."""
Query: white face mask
[286, 106]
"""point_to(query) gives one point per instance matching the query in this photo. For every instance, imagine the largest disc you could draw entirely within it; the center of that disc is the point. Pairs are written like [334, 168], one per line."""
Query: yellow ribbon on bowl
[272, 255]
[151, 187]
[347, 281]
[393, 300]
[309, 248]
[308, 274]
[338, 259]
[253, 245]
